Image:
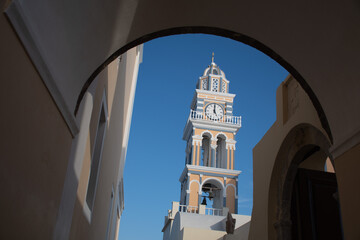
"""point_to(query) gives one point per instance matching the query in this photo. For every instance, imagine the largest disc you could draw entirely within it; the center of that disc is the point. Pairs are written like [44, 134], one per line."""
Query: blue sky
[156, 152]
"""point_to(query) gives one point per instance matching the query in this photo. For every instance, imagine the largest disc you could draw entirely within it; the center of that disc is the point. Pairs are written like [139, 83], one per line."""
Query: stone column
[213, 146]
[213, 155]
[224, 193]
[230, 147]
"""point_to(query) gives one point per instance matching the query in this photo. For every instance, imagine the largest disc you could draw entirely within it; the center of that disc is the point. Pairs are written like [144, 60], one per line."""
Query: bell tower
[209, 177]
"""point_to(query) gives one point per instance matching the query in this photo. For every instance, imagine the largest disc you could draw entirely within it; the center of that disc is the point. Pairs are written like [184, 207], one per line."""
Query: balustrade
[214, 211]
[188, 209]
[196, 115]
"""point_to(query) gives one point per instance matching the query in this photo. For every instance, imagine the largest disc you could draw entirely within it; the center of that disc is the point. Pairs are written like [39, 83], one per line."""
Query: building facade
[209, 180]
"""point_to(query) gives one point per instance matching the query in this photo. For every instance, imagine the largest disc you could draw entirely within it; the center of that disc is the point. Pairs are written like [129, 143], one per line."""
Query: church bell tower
[209, 177]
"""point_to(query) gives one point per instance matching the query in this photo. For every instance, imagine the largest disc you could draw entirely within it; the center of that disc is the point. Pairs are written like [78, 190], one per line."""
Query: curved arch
[194, 181]
[230, 185]
[221, 133]
[300, 141]
[218, 32]
[218, 199]
[208, 179]
[207, 131]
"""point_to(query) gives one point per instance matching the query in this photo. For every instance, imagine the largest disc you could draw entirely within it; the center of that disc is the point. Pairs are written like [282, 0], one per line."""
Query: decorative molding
[212, 169]
[207, 131]
[231, 141]
[229, 95]
[232, 185]
[217, 180]
[197, 137]
[221, 133]
[225, 127]
[230, 146]
[208, 171]
[191, 183]
[196, 142]
[31, 42]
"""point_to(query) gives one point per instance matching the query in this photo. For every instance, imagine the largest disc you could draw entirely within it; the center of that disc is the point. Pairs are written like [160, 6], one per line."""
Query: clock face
[214, 111]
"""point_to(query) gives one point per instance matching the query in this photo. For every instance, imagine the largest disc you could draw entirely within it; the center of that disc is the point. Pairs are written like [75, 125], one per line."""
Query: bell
[211, 194]
[203, 201]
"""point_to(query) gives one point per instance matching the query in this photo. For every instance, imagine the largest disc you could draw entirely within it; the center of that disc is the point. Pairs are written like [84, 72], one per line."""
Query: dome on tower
[213, 79]
[214, 70]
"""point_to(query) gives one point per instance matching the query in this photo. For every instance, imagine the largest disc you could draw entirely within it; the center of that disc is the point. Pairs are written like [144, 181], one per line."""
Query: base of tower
[187, 226]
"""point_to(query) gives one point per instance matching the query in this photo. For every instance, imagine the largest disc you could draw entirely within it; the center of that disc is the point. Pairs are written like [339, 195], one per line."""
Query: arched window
[205, 155]
[205, 84]
[221, 159]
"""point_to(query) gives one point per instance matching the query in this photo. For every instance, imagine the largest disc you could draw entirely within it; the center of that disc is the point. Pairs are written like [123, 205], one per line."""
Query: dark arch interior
[315, 206]
[223, 33]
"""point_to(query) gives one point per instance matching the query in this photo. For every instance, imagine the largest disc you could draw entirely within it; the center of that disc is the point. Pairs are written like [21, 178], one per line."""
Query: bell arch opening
[206, 150]
[212, 196]
[221, 153]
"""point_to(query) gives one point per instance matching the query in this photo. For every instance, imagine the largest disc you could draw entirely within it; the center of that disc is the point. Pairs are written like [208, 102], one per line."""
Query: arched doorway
[303, 191]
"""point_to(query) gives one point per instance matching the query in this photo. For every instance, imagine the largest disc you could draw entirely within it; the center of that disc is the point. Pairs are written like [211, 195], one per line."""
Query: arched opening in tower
[206, 151]
[221, 152]
[212, 197]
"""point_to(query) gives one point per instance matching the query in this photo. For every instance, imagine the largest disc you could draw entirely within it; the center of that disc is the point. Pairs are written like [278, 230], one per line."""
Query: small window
[204, 84]
[215, 85]
[215, 72]
[96, 156]
[223, 87]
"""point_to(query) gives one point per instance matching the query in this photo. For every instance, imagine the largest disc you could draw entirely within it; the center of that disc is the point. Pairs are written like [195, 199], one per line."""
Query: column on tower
[213, 152]
[196, 145]
[224, 193]
[230, 190]
[221, 154]
[230, 147]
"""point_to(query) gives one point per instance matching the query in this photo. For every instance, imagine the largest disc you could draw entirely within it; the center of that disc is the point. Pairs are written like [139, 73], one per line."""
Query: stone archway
[302, 140]
[218, 32]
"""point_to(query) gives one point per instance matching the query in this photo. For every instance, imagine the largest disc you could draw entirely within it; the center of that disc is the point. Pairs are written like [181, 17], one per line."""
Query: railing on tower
[214, 211]
[195, 115]
[201, 209]
[188, 209]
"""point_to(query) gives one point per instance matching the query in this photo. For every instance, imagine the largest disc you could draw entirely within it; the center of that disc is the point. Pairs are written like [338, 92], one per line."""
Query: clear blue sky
[156, 152]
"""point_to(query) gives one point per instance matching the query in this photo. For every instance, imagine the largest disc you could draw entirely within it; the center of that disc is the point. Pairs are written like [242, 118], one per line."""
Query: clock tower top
[213, 79]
